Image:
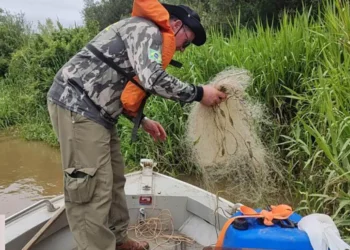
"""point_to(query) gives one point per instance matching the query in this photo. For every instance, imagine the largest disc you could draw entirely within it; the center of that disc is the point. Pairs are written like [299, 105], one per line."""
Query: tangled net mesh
[224, 142]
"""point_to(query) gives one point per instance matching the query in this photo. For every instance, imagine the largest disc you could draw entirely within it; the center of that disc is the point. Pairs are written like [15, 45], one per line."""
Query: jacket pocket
[79, 184]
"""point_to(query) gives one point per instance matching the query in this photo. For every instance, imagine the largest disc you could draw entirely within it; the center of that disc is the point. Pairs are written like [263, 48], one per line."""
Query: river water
[29, 171]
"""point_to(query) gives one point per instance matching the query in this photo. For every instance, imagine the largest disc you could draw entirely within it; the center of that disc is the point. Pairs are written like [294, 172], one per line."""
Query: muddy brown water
[31, 171]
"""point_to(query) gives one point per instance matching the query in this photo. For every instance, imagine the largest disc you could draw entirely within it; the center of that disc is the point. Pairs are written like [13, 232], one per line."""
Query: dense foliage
[13, 34]
[300, 71]
[213, 13]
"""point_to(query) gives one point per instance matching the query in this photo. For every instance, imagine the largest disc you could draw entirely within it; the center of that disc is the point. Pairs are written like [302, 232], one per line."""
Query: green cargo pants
[93, 170]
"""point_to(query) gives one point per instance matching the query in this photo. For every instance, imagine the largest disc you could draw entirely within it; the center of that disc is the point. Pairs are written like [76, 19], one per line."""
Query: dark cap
[191, 19]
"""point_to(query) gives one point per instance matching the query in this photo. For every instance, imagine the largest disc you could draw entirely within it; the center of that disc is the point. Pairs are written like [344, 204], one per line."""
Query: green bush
[13, 34]
[213, 13]
[32, 69]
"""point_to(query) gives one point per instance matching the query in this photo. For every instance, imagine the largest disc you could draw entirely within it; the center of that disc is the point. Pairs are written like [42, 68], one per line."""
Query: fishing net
[224, 142]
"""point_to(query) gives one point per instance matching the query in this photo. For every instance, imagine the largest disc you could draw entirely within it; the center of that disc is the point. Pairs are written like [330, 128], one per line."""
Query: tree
[106, 12]
[213, 13]
[13, 33]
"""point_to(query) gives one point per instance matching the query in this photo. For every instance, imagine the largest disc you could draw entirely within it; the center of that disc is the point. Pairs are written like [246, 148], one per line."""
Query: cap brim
[196, 27]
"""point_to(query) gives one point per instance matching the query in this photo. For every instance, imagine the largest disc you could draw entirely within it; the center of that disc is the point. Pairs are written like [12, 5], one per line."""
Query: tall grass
[300, 72]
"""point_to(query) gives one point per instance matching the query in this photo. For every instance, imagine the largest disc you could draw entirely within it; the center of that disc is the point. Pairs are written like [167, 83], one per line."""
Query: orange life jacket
[133, 95]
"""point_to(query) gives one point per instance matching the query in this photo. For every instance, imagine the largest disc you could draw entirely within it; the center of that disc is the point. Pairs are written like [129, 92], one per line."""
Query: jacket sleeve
[143, 43]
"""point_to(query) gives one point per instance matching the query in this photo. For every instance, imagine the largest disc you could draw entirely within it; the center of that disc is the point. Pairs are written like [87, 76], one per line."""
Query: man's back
[84, 74]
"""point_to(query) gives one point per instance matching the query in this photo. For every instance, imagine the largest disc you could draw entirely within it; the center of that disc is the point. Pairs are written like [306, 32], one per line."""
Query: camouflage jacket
[85, 81]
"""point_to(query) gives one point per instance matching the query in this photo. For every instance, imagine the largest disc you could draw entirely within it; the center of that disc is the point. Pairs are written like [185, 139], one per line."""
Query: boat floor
[166, 243]
[66, 240]
[174, 205]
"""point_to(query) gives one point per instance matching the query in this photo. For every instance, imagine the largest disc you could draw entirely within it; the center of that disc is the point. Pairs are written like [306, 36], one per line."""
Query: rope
[159, 229]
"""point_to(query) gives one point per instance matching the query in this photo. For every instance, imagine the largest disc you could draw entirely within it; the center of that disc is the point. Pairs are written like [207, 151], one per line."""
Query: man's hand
[212, 96]
[154, 129]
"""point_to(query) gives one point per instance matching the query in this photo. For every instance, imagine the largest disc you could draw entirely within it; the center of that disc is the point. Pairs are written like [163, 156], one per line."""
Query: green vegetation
[13, 34]
[300, 72]
[30, 74]
[213, 13]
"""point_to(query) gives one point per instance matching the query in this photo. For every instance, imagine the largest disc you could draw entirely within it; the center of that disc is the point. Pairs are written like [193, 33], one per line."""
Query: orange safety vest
[133, 95]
